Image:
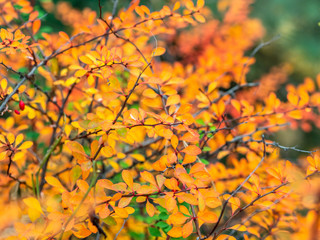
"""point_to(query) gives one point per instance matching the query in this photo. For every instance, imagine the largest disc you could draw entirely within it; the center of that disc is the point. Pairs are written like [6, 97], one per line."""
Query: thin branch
[124, 222]
[236, 191]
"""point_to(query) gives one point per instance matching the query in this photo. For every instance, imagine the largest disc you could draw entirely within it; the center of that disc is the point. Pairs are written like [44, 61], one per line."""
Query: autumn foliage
[141, 124]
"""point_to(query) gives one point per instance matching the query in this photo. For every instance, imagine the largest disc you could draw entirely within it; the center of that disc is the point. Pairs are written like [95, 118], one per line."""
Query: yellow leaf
[85, 60]
[127, 178]
[138, 157]
[25, 145]
[19, 139]
[33, 214]
[80, 73]
[122, 213]
[225, 237]
[200, 18]
[54, 182]
[239, 227]
[158, 51]
[202, 203]
[10, 138]
[200, 4]
[150, 209]
[33, 203]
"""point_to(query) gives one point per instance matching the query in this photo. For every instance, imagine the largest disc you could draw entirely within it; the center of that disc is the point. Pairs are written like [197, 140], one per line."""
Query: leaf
[192, 150]
[138, 157]
[202, 203]
[34, 208]
[175, 232]
[189, 198]
[187, 229]
[75, 173]
[127, 178]
[36, 26]
[54, 182]
[83, 185]
[80, 73]
[150, 209]
[207, 216]
[26, 145]
[124, 202]
[147, 176]
[154, 232]
[86, 60]
[64, 35]
[158, 51]
[225, 237]
[172, 100]
[177, 218]
[200, 18]
[122, 213]
[19, 139]
[239, 227]
[110, 221]
[200, 4]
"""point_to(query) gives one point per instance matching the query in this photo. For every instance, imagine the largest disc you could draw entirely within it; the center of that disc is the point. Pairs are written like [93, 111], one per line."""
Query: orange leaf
[192, 150]
[150, 209]
[36, 26]
[172, 100]
[124, 202]
[187, 229]
[148, 177]
[177, 218]
[83, 185]
[207, 217]
[64, 35]
[175, 232]
[127, 178]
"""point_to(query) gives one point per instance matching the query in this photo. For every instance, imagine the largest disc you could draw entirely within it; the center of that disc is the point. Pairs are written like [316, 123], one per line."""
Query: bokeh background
[298, 48]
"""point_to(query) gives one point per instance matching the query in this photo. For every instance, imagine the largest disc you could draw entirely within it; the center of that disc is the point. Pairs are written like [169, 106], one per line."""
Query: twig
[124, 222]
[235, 192]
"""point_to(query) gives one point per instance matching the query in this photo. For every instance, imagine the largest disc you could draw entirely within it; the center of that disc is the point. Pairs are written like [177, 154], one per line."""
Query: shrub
[143, 125]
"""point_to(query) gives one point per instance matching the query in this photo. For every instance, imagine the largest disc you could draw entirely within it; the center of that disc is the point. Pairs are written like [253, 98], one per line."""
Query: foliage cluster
[143, 125]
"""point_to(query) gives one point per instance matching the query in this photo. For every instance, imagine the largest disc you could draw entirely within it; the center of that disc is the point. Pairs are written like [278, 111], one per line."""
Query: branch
[235, 192]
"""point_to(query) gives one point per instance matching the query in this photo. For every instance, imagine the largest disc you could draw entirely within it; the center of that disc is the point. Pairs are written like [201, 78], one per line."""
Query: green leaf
[201, 122]
[161, 209]
[163, 216]
[206, 149]
[162, 225]
[76, 173]
[206, 162]
[154, 232]
[213, 128]
[109, 221]
[122, 132]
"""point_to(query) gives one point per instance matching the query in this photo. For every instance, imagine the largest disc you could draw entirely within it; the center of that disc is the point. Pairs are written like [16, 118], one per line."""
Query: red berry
[21, 105]
[17, 112]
